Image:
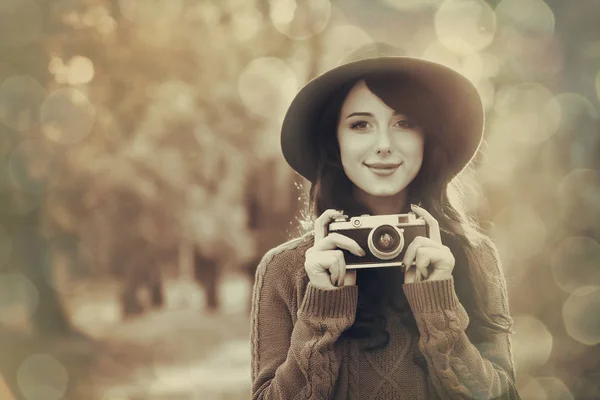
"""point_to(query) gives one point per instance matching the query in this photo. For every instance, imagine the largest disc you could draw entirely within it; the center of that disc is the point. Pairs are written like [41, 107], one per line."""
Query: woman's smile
[383, 169]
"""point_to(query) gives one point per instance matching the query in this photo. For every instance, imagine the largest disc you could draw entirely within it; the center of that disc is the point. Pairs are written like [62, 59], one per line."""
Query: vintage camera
[383, 237]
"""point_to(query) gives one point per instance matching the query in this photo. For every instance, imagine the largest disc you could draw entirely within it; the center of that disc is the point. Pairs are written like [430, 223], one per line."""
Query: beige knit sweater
[297, 352]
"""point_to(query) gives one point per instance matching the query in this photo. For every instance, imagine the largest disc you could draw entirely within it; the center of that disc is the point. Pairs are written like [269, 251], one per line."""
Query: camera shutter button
[356, 222]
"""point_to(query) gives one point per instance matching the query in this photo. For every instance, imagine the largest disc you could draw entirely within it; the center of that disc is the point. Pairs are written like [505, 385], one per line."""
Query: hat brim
[462, 113]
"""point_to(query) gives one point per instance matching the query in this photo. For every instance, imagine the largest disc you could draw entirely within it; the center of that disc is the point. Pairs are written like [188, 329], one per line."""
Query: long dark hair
[433, 188]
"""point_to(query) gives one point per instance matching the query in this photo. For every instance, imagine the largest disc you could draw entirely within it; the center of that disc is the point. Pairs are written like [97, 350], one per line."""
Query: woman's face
[381, 149]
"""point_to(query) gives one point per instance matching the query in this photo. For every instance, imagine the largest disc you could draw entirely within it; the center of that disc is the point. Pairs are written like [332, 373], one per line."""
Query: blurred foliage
[132, 132]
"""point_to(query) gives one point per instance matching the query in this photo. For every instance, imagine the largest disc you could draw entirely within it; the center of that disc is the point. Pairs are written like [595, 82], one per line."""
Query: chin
[384, 191]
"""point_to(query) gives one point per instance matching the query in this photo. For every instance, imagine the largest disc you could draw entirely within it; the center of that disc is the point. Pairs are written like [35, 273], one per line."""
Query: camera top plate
[373, 221]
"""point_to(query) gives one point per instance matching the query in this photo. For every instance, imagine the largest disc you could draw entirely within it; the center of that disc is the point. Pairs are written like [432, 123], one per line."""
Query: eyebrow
[359, 114]
[368, 114]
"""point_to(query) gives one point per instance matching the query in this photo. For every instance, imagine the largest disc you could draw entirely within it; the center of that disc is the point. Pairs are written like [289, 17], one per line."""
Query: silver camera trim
[378, 265]
[383, 255]
[373, 221]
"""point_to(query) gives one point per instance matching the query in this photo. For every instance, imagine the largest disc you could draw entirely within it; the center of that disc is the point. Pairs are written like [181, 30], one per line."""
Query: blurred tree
[23, 186]
[169, 128]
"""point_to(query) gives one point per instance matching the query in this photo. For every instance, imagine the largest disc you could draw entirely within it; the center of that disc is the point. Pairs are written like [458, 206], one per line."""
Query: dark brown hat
[459, 104]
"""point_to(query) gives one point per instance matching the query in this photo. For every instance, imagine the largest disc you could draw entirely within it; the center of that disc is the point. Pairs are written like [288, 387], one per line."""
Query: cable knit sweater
[297, 351]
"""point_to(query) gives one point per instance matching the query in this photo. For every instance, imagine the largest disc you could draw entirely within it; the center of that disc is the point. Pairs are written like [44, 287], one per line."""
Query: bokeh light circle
[144, 13]
[555, 388]
[21, 22]
[525, 32]
[80, 70]
[524, 23]
[491, 64]
[499, 166]
[20, 202]
[246, 24]
[528, 112]
[520, 230]
[575, 111]
[579, 198]
[532, 343]
[67, 116]
[436, 52]
[300, 19]
[19, 298]
[21, 98]
[575, 263]
[545, 388]
[581, 314]
[533, 390]
[412, 5]
[267, 86]
[42, 377]
[465, 26]
[472, 67]
[339, 41]
[30, 165]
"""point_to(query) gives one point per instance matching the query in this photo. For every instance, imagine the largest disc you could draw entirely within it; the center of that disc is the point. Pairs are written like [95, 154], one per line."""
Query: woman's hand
[428, 252]
[324, 261]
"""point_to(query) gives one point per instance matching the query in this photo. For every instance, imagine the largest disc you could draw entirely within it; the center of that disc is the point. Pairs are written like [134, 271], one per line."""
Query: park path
[179, 352]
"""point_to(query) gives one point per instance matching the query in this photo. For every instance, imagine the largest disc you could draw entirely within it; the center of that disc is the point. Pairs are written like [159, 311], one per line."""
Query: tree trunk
[33, 257]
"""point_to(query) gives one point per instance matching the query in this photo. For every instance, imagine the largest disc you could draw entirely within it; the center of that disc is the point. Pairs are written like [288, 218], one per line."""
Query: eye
[359, 125]
[406, 124]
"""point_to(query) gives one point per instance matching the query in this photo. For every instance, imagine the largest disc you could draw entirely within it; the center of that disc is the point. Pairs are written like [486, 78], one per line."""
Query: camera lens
[386, 242]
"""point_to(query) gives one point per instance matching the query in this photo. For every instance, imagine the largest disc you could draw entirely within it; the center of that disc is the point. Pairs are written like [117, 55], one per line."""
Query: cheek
[411, 146]
[350, 150]
[418, 151]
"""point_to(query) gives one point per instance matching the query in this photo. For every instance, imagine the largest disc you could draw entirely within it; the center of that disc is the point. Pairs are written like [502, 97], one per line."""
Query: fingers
[334, 260]
[418, 242]
[434, 226]
[342, 270]
[335, 240]
[334, 270]
[325, 259]
[409, 275]
[440, 257]
[325, 269]
[322, 221]
[421, 265]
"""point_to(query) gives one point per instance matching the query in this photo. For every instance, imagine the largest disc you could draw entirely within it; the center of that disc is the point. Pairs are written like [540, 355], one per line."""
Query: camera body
[383, 237]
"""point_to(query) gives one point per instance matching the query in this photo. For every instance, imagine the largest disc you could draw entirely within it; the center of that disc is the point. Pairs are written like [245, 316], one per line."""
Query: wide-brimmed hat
[461, 114]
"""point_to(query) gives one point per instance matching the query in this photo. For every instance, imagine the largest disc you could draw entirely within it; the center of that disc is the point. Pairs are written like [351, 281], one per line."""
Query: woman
[378, 136]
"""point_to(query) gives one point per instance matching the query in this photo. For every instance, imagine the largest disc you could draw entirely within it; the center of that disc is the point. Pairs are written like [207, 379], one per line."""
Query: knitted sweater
[297, 351]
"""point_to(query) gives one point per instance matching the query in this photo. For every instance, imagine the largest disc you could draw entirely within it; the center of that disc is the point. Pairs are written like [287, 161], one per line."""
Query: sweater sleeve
[296, 360]
[458, 369]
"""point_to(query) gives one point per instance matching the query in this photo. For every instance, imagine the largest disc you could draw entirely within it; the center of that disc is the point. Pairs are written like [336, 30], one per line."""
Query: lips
[383, 169]
[383, 165]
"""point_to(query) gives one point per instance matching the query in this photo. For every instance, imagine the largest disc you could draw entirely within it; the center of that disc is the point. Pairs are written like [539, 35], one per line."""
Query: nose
[383, 144]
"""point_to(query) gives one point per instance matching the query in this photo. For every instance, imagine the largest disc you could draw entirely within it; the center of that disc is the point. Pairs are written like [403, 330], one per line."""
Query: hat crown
[373, 50]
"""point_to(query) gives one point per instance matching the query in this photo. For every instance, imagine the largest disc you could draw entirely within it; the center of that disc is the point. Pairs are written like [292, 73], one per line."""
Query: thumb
[350, 277]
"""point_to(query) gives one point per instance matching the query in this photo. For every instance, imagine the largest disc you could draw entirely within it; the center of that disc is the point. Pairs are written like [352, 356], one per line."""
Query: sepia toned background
[141, 179]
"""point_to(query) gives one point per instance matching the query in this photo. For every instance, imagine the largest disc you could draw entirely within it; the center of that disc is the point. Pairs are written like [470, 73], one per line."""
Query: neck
[382, 205]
